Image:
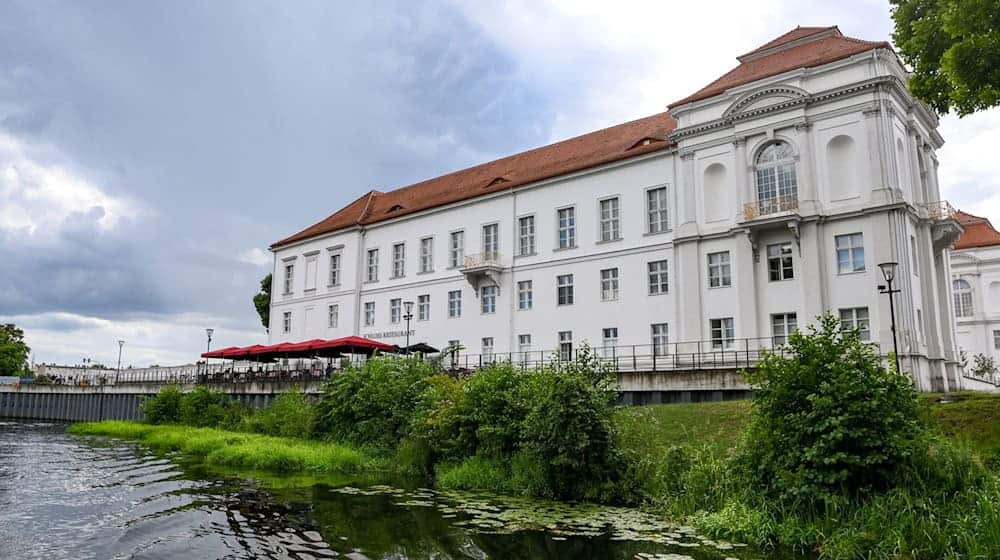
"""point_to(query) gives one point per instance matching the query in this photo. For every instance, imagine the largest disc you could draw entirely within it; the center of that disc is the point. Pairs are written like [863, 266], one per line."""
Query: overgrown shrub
[289, 415]
[829, 420]
[497, 408]
[374, 403]
[202, 407]
[441, 427]
[164, 407]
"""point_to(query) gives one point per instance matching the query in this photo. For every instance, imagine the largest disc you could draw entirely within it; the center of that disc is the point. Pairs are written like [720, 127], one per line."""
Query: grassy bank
[237, 450]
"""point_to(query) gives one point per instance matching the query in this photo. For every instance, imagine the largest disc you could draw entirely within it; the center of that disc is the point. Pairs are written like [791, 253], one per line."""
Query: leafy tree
[262, 301]
[13, 351]
[953, 47]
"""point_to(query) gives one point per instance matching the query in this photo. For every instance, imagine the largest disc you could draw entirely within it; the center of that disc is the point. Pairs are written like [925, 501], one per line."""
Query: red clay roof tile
[979, 232]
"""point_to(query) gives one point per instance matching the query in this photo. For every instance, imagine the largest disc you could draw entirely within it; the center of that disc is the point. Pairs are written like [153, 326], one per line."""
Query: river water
[71, 497]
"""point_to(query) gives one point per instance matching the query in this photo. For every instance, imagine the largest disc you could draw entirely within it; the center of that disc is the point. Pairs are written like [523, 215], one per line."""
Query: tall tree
[953, 47]
[262, 301]
[13, 351]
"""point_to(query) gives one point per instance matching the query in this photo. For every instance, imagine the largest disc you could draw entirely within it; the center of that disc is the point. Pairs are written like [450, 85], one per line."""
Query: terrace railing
[769, 206]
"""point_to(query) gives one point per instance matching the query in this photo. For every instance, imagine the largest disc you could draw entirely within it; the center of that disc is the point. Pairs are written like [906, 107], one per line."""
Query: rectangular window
[455, 303]
[565, 345]
[286, 322]
[609, 339]
[659, 334]
[779, 262]
[369, 313]
[524, 343]
[856, 318]
[335, 269]
[564, 288]
[850, 253]
[372, 275]
[333, 316]
[567, 227]
[609, 284]
[456, 248]
[289, 276]
[658, 283]
[312, 263]
[453, 349]
[491, 241]
[720, 273]
[526, 236]
[395, 310]
[610, 219]
[524, 295]
[782, 325]
[427, 254]
[996, 340]
[423, 307]
[913, 253]
[723, 333]
[487, 347]
[656, 210]
[399, 260]
[488, 298]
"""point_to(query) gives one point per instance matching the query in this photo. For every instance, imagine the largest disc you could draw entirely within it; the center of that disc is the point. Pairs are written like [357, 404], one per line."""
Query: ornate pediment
[766, 98]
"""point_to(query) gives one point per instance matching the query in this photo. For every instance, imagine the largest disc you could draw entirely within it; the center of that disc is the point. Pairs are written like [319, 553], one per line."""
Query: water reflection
[67, 497]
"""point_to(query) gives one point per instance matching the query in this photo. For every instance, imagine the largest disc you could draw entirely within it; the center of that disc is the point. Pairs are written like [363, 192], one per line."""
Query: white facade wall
[980, 332]
[864, 164]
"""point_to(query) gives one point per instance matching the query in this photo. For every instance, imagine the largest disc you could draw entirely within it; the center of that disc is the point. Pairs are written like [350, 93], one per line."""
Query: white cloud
[37, 195]
[969, 171]
[255, 256]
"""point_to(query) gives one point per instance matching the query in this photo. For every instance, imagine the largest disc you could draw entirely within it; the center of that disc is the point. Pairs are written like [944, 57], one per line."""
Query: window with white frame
[656, 210]
[611, 228]
[286, 322]
[609, 340]
[609, 284]
[423, 307]
[565, 345]
[777, 186]
[564, 289]
[455, 303]
[720, 273]
[399, 260]
[660, 337]
[289, 278]
[525, 297]
[488, 298]
[566, 218]
[491, 241]
[427, 254]
[856, 318]
[850, 253]
[723, 333]
[996, 340]
[369, 313]
[487, 346]
[526, 235]
[524, 343]
[658, 281]
[395, 310]
[456, 248]
[962, 292]
[372, 271]
[783, 325]
[333, 316]
[335, 269]
[779, 262]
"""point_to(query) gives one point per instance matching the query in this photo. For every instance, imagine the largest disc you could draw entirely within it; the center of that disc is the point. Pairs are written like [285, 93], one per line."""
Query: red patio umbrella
[355, 345]
[218, 353]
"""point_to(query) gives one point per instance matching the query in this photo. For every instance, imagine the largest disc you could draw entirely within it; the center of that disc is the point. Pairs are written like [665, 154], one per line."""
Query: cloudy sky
[151, 151]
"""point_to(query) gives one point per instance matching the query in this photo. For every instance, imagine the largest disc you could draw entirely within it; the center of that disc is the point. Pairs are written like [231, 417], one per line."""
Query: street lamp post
[408, 305]
[889, 273]
[121, 343]
[208, 347]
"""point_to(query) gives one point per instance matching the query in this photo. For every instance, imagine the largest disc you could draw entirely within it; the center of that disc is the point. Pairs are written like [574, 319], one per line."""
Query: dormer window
[395, 208]
[777, 185]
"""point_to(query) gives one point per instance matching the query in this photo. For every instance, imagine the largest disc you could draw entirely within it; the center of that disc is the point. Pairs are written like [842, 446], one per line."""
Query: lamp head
[209, 333]
[888, 270]
[121, 343]
[408, 305]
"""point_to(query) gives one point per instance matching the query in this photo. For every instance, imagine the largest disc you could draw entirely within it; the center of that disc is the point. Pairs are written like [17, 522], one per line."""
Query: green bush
[204, 408]
[497, 408]
[289, 415]
[828, 420]
[375, 403]
[475, 473]
[442, 427]
[164, 407]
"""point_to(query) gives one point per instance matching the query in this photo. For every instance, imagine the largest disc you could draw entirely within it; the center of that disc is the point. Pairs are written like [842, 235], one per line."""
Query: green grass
[972, 418]
[235, 449]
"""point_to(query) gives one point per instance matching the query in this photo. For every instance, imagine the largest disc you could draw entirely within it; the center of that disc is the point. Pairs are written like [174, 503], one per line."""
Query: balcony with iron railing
[943, 218]
[939, 210]
[770, 207]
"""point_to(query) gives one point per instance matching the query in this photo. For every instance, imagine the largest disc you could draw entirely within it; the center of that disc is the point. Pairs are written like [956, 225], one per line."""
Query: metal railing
[768, 206]
[483, 260]
[940, 210]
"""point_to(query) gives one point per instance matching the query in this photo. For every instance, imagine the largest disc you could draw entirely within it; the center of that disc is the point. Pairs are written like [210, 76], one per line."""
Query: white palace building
[743, 212]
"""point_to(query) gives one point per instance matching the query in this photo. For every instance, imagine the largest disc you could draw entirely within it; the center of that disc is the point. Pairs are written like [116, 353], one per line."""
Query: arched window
[963, 298]
[777, 186]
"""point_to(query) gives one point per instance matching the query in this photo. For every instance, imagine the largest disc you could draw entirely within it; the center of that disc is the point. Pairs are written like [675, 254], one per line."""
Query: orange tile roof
[979, 232]
[626, 140]
[802, 47]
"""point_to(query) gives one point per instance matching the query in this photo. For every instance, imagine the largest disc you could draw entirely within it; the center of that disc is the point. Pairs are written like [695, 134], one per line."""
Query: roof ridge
[786, 38]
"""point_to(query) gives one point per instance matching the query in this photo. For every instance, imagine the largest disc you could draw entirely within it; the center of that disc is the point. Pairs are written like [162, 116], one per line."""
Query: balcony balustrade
[770, 206]
[483, 266]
